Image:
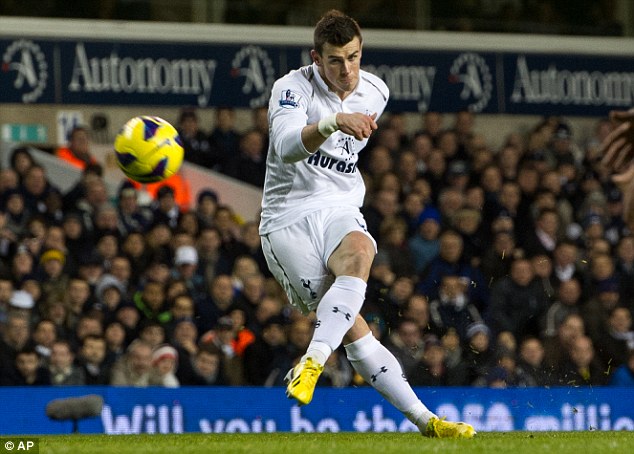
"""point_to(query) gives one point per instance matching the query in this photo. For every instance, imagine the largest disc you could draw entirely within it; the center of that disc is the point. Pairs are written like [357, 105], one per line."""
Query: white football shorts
[298, 254]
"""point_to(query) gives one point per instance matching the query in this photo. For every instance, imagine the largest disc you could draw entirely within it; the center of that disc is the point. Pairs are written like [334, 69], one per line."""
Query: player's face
[339, 66]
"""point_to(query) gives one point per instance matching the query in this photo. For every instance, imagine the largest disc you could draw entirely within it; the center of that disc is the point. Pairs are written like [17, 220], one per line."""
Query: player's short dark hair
[335, 28]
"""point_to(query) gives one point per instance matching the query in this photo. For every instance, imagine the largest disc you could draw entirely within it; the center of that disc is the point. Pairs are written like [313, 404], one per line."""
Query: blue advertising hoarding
[206, 75]
[230, 410]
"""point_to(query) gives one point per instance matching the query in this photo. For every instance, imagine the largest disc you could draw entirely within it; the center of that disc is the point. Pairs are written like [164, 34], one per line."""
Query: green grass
[348, 443]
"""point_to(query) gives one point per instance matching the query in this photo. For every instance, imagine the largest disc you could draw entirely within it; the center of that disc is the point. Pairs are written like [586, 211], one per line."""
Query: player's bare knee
[357, 331]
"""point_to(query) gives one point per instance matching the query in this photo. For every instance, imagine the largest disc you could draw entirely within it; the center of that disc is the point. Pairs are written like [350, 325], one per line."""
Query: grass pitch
[345, 443]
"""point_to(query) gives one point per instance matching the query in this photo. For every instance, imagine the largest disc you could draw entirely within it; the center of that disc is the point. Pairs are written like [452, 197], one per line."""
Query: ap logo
[27, 60]
[253, 63]
[472, 71]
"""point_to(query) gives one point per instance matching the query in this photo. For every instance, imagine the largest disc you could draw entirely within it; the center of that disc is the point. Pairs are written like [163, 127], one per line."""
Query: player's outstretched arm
[618, 157]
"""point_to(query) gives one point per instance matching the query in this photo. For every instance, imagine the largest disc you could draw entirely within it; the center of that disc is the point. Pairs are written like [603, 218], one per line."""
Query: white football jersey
[298, 183]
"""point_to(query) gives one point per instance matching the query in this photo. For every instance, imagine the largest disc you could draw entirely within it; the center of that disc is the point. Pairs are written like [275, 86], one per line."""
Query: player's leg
[378, 367]
[336, 312]
[350, 263]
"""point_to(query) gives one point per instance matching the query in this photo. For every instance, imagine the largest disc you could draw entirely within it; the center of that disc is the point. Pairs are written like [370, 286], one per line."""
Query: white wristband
[328, 125]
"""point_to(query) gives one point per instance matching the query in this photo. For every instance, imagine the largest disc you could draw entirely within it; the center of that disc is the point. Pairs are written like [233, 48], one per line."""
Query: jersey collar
[359, 89]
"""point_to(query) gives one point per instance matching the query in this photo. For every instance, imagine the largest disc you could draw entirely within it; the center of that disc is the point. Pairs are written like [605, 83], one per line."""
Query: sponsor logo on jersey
[326, 162]
[289, 99]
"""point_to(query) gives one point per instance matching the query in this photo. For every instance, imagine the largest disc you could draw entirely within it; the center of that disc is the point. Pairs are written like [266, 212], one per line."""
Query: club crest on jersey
[289, 99]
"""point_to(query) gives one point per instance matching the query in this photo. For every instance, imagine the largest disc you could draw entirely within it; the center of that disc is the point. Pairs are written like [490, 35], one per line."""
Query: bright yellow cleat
[439, 428]
[302, 380]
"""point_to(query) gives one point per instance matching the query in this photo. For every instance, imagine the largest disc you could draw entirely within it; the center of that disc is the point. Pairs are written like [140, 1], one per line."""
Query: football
[148, 149]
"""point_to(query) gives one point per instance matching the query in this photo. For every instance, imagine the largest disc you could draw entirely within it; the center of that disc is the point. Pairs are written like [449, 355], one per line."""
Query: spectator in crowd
[393, 244]
[625, 269]
[77, 152]
[95, 195]
[517, 302]
[467, 222]
[496, 261]
[6, 290]
[62, 369]
[208, 368]
[15, 337]
[35, 187]
[20, 161]
[185, 268]
[166, 210]
[266, 360]
[223, 338]
[425, 244]
[433, 369]
[211, 259]
[164, 364]
[412, 208]
[617, 338]
[565, 262]
[28, 370]
[150, 301]
[184, 338]
[450, 261]
[543, 238]
[224, 139]
[513, 374]
[53, 278]
[557, 349]
[582, 367]
[479, 356]
[131, 216]
[568, 302]
[135, 367]
[152, 332]
[77, 192]
[407, 345]
[43, 338]
[452, 309]
[117, 334]
[249, 164]
[92, 360]
[384, 205]
[531, 359]
[432, 125]
[53, 206]
[227, 223]
[206, 205]
[195, 141]
[250, 244]
[16, 215]
[624, 374]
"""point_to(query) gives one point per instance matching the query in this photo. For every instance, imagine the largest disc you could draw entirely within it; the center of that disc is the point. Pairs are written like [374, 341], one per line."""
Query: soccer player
[314, 237]
[618, 156]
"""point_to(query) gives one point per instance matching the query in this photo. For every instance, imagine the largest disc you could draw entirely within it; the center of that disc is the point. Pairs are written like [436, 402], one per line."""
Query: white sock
[378, 366]
[335, 316]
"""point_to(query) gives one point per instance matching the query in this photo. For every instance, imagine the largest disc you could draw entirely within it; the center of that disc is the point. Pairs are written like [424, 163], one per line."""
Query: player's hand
[617, 148]
[358, 125]
[618, 158]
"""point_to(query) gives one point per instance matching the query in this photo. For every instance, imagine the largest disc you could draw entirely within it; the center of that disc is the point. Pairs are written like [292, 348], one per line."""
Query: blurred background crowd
[497, 267]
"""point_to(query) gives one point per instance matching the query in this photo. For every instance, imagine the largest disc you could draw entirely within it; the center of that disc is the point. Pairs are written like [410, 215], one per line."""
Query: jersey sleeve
[288, 109]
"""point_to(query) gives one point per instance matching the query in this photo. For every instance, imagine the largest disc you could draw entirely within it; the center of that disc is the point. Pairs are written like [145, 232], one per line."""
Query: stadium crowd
[496, 267]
